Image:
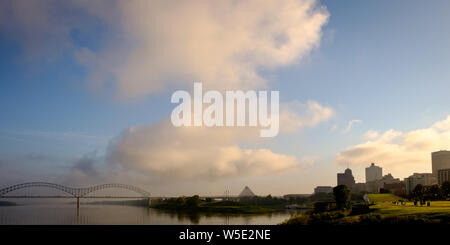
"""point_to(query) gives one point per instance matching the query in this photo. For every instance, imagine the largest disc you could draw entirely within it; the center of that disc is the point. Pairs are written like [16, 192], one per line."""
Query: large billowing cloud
[152, 45]
[195, 152]
[399, 153]
[222, 43]
[208, 152]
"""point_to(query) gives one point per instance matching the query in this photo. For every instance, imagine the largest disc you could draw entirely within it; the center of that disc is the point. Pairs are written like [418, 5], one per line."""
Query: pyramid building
[246, 192]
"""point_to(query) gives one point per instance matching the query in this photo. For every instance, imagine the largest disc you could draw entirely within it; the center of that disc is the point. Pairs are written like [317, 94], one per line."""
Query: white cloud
[220, 43]
[350, 125]
[189, 153]
[371, 135]
[163, 151]
[400, 153]
[295, 115]
[148, 46]
[309, 160]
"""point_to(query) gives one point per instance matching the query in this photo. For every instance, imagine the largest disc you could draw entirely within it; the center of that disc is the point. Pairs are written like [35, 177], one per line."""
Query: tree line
[431, 193]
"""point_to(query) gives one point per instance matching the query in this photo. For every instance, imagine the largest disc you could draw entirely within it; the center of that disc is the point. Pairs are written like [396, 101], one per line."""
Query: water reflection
[64, 212]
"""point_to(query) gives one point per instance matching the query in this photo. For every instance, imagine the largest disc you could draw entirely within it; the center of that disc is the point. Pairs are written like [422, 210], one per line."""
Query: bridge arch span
[115, 185]
[76, 192]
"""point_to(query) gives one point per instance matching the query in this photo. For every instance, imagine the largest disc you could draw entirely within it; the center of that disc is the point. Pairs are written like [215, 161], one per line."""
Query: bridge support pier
[78, 202]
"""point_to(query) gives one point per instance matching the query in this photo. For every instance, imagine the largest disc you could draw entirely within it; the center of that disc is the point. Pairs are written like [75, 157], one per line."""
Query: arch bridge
[75, 192]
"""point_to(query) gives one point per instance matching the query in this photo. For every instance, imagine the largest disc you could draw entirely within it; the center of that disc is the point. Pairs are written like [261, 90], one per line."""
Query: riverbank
[223, 207]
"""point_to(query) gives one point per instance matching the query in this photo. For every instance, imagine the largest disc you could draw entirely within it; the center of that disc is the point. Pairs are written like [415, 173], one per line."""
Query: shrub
[326, 217]
[360, 208]
[297, 219]
[370, 219]
[320, 207]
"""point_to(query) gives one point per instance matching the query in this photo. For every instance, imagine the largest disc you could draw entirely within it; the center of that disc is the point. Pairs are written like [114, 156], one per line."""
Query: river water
[62, 211]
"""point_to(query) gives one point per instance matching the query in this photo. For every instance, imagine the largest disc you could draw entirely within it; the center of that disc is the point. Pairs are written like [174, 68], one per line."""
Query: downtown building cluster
[376, 182]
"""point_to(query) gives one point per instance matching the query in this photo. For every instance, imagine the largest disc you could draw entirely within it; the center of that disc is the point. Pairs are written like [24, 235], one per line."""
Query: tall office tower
[373, 173]
[440, 160]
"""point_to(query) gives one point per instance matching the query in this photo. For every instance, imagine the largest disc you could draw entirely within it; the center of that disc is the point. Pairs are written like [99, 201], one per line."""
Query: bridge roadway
[74, 192]
[116, 197]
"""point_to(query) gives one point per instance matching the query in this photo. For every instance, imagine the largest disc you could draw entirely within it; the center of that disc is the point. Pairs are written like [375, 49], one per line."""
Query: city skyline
[85, 92]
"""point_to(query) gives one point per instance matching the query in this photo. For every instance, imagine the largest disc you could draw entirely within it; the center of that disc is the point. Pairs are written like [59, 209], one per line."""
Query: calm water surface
[63, 211]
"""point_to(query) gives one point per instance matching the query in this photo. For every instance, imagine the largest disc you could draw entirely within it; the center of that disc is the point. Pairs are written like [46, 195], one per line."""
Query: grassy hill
[382, 212]
[377, 198]
[409, 208]
[438, 211]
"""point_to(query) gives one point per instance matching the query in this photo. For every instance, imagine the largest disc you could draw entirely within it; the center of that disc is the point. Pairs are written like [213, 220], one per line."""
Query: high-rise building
[443, 175]
[440, 160]
[419, 178]
[373, 173]
[375, 186]
[346, 178]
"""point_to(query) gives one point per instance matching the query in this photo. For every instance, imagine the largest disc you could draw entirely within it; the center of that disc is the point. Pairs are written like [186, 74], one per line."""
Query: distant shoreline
[139, 202]
[219, 207]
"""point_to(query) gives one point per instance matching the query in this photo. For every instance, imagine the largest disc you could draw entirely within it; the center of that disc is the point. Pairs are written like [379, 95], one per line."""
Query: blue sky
[384, 63]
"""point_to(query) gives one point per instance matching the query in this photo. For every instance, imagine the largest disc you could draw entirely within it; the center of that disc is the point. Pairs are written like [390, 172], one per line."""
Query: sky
[85, 91]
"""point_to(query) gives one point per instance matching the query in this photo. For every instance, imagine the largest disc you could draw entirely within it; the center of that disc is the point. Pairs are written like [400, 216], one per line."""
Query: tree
[418, 192]
[180, 201]
[433, 192]
[193, 201]
[446, 189]
[321, 197]
[320, 207]
[342, 196]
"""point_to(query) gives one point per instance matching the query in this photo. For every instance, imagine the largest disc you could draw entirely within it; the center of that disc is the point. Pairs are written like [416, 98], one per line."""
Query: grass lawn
[383, 210]
[409, 208]
[383, 198]
[384, 207]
